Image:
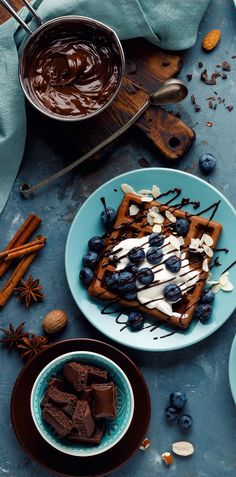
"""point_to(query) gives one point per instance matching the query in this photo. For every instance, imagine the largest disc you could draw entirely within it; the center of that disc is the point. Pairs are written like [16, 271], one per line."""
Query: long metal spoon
[172, 91]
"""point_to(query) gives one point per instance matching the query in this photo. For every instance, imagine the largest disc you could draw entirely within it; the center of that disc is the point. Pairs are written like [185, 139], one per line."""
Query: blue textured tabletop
[201, 370]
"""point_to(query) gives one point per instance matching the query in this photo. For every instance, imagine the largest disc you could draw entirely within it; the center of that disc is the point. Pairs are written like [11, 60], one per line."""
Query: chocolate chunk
[104, 396]
[193, 99]
[210, 104]
[76, 375]
[83, 420]
[53, 382]
[57, 420]
[143, 162]
[230, 107]
[226, 66]
[86, 395]
[189, 76]
[206, 80]
[200, 64]
[94, 440]
[224, 76]
[95, 375]
[60, 397]
[197, 108]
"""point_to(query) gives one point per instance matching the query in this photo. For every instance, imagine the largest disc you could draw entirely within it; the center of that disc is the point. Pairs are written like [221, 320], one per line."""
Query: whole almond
[211, 39]
[183, 448]
[54, 321]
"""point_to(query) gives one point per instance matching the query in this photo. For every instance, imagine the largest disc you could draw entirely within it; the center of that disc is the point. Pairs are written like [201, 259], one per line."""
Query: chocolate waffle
[127, 226]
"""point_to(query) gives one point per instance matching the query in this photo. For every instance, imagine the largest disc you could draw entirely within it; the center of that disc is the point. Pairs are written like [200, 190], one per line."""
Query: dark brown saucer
[56, 461]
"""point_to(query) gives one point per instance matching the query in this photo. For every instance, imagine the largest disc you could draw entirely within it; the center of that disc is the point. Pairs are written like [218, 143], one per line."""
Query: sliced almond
[170, 216]
[133, 210]
[183, 448]
[224, 278]
[156, 228]
[146, 199]
[181, 241]
[150, 219]
[167, 457]
[228, 287]
[207, 239]
[126, 188]
[205, 266]
[158, 219]
[216, 288]
[155, 191]
[208, 251]
[174, 242]
[145, 192]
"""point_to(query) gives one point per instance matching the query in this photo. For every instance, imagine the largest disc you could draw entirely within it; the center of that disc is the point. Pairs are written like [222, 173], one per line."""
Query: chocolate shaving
[204, 77]
[230, 107]
[143, 162]
[226, 66]
[211, 98]
[200, 64]
[193, 99]
[223, 76]
[197, 108]
[209, 124]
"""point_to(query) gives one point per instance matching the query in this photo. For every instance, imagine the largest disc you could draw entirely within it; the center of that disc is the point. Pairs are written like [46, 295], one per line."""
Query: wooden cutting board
[146, 68]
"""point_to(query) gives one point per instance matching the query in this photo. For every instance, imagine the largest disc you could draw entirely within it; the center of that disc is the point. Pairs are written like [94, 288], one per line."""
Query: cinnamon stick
[25, 249]
[22, 235]
[18, 273]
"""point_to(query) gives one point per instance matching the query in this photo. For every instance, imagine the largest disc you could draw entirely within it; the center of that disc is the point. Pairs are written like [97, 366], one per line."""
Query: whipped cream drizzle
[152, 296]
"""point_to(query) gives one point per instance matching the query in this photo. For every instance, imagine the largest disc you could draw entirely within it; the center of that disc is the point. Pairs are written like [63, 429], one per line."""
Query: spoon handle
[17, 17]
[26, 190]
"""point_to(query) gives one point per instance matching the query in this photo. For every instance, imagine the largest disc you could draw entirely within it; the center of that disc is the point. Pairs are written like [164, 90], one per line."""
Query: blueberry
[131, 295]
[135, 321]
[156, 240]
[203, 311]
[132, 268]
[136, 255]
[86, 275]
[182, 226]
[207, 163]
[95, 244]
[171, 413]
[112, 281]
[173, 264]
[145, 276]
[108, 216]
[154, 255]
[185, 421]
[208, 297]
[172, 293]
[178, 399]
[90, 259]
[126, 282]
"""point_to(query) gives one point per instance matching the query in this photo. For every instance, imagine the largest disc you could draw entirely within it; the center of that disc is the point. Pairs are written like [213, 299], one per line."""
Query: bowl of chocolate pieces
[82, 403]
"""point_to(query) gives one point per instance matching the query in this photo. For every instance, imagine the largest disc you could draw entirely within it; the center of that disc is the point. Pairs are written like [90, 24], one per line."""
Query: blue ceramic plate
[87, 223]
[232, 369]
[115, 429]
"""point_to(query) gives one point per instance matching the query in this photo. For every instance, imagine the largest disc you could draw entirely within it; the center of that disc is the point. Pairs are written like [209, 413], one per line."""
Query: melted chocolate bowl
[72, 68]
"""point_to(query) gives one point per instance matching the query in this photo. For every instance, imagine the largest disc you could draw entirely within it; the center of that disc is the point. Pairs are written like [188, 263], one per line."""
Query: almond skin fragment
[167, 457]
[183, 448]
[211, 39]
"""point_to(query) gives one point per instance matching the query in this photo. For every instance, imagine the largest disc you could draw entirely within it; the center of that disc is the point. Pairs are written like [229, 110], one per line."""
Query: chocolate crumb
[115, 190]
[218, 65]
[226, 66]
[200, 64]
[189, 76]
[230, 107]
[193, 99]
[165, 63]
[204, 77]
[143, 162]
[224, 76]
[211, 98]
[215, 92]
[215, 106]
[233, 57]
[209, 124]
[210, 104]
[197, 108]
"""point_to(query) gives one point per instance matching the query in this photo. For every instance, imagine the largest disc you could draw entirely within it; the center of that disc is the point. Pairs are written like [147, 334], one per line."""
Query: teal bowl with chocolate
[82, 403]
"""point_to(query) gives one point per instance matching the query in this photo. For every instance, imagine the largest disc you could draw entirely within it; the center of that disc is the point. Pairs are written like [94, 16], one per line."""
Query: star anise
[32, 346]
[13, 337]
[29, 291]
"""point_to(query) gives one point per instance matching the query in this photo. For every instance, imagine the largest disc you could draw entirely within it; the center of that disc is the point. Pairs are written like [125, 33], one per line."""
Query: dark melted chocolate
[73, 71]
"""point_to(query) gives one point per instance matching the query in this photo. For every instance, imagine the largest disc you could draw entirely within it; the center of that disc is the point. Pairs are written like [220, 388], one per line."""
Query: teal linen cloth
[170, 24]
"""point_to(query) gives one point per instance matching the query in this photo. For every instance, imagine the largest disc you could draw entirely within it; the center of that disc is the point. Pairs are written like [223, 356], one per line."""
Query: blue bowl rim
[96, 451]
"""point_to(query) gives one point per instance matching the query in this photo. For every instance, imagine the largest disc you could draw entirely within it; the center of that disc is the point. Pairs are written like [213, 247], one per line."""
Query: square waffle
[137, 226]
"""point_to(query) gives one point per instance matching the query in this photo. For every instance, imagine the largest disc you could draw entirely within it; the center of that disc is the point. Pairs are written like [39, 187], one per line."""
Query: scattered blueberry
[203, 311]
[178, 399]
[108, 216]
[208, 297]
[135, 321]
[145, 276]
[172, 293]
[86, 275]
[156, 240]
[182, 226]
[131, 295]
[207, 163]
[95, 244]
[173, 264]
[171, 413]
[185, 421]
[90, 259]
[136, 255]
[154, 255]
